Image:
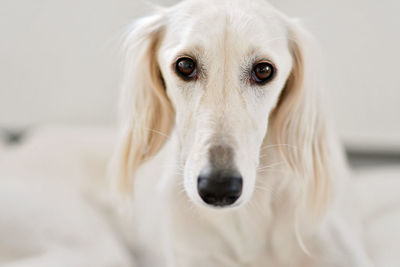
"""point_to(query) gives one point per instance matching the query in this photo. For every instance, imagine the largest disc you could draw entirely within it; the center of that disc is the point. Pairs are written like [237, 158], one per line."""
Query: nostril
[209, 199]
[233, 187]
[229, 200]
[219, 188]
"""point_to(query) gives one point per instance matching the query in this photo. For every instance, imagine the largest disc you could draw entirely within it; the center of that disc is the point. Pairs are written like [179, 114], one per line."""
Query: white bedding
[52, 214]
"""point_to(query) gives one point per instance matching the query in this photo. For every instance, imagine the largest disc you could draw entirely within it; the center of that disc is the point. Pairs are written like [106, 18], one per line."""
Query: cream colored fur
[298, 207]
[291, 164]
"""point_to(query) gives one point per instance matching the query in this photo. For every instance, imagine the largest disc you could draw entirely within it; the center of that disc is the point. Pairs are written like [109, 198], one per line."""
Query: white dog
[224, 151]
[225, 146]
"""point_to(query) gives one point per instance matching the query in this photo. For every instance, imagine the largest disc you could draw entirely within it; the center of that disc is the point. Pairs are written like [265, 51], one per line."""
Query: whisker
[265, 171]
[270, 166]
[157, 132]
[278, 145]
[272, 191]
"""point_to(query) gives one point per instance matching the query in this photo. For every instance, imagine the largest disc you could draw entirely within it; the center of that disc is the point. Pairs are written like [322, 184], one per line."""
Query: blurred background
[60, 65]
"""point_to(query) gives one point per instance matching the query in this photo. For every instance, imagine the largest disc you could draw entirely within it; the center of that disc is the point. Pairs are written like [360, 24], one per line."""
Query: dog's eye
[186, 68]
[262, 72]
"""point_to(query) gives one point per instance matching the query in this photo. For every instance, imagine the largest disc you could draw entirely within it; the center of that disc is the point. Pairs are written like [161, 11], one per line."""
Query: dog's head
[223, 76]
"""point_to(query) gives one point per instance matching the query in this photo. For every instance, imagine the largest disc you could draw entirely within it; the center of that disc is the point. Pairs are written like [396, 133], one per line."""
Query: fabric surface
[49, 188]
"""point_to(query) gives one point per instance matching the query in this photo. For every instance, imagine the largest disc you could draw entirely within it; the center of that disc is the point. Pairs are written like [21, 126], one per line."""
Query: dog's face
[223, 77]
[224, 70]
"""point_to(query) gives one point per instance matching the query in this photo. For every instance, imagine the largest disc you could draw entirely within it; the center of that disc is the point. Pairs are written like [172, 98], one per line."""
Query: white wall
[361, 43]
[59, 61]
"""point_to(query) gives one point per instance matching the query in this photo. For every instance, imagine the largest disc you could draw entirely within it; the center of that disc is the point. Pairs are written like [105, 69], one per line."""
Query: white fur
[59, 215]
[291, 164]
[297, 207]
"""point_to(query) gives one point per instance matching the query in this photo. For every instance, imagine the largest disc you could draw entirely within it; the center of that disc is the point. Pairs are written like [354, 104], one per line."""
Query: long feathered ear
[299, 122]
[146, 114]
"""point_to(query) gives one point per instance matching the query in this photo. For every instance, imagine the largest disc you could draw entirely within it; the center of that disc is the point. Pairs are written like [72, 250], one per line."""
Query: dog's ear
[299, 123]
[146, 114]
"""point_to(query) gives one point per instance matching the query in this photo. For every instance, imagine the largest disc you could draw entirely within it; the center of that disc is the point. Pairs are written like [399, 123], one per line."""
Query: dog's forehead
[223, 23]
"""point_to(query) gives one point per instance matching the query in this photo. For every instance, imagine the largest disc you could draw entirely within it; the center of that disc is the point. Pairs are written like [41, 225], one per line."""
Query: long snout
[219, 183]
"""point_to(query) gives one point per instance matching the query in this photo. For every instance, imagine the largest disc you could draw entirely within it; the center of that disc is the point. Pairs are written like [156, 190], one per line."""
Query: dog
[225, 150]
[225, 157]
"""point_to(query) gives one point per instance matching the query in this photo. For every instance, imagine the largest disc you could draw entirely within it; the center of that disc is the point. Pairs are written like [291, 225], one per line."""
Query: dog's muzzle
[219, 183]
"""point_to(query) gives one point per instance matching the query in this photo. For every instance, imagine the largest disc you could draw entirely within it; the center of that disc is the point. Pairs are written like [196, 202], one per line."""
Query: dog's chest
[236, 239]
[171, 232]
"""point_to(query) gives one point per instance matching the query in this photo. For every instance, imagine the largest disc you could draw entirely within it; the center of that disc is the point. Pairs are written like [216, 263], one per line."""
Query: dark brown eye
[186, 68]
[262, 73]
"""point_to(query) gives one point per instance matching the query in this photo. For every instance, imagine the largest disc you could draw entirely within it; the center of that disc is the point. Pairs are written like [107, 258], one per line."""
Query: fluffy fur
[291, 164]
[296, 208]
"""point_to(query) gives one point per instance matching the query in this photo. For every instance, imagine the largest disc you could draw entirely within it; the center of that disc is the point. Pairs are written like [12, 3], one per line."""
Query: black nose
[219, 187]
